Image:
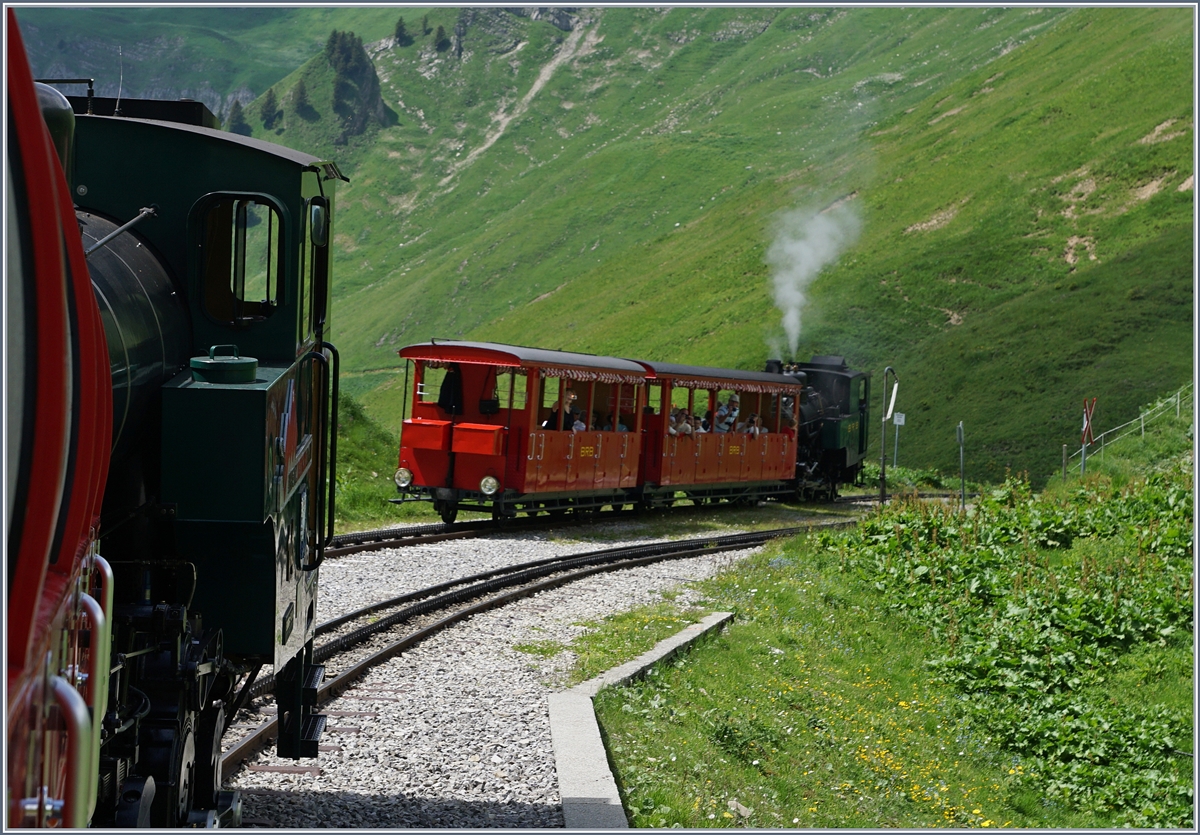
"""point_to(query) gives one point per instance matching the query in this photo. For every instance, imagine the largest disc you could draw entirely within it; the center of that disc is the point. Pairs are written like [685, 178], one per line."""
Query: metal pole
[962, 472]
[896, 446]
[887, 413]
[1083, 461]
[1064, 462]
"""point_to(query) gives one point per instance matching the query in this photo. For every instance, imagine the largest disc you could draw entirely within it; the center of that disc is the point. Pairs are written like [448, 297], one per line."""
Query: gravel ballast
[455, 732]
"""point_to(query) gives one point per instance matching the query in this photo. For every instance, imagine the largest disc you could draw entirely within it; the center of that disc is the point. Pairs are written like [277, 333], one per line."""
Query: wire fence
[1173, 404]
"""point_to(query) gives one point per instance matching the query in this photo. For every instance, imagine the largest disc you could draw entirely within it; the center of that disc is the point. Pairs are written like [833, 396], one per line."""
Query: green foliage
[300, 96]
[236, 122]
[440, 41]
[544, 649]
[344, 52]
[401, 34]
[1027, 663]
[366, 461]
[269, 109]
[1037, 599]
[626, 636]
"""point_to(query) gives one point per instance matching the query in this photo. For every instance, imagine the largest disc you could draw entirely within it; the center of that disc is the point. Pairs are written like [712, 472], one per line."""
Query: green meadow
[1026, 664]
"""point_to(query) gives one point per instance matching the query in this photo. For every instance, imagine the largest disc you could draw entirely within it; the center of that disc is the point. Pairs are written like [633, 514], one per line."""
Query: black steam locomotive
[209, 257]
[832, 430]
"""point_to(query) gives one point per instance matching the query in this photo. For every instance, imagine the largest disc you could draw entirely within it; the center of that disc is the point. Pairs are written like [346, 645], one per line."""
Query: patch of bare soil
[1159, 134]
[938, 220]
[941, 116]
[1071, 255]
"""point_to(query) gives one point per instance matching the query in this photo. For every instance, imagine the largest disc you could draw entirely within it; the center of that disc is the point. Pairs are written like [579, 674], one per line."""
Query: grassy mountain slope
[984, 151]
[1021, 179]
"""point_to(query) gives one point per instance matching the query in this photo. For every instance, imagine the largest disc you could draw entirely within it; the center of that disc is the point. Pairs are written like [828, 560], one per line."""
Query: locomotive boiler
[204, 339]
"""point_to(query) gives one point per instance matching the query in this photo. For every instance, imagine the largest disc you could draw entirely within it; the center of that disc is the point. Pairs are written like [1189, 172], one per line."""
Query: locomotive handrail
[79, 731]
[319, 545]
[143, 213]
[97, 689]
[333, 427]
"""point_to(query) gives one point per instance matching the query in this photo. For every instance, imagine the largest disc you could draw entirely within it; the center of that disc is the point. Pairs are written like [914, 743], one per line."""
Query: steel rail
[533, 577]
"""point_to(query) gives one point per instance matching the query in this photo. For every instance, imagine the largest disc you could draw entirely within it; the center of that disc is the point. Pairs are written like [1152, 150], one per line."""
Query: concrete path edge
[590, 799]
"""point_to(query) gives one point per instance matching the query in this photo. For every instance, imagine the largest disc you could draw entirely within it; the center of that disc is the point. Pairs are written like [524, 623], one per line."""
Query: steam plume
[806, 241]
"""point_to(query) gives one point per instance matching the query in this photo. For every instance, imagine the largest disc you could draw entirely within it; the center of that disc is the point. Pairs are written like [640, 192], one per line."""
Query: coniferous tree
[425, 25]
[300, 95]
[440, 41]
[237, 120]
[270, 109]
[401, 33]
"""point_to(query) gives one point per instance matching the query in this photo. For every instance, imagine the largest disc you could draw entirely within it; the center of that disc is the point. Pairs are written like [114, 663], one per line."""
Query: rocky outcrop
[563, 19]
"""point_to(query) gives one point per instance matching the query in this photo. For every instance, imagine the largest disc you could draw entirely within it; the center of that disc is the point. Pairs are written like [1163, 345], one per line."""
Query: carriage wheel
[447, 510]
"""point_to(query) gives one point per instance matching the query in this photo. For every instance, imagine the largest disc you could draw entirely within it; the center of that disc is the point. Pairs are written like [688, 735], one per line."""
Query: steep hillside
[996, 202]
[1018, 182]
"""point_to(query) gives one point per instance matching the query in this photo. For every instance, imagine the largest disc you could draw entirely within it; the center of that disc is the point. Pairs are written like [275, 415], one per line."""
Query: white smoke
[806, 241]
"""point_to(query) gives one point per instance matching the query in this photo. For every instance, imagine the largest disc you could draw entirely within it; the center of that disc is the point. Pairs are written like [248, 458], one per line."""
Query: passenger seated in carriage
[556, 407]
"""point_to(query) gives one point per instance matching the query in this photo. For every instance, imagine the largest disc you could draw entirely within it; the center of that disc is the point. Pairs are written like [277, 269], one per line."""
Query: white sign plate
[898, 418]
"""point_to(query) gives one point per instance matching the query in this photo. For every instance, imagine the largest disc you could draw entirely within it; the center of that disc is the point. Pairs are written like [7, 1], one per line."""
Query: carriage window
[679, 398]
[550, 390]
[514, 381]
[240, 263]
[654, 398]
[430, 386]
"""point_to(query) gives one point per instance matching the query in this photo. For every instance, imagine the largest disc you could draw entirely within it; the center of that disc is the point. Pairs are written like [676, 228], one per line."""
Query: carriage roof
[582, 366]
[703, 377]
[552, 363]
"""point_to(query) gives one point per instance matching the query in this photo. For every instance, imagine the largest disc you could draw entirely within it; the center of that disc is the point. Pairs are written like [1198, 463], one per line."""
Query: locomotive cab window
[240, 259]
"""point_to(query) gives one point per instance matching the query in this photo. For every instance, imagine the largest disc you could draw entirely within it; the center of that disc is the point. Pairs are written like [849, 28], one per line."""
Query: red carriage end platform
[488, 431]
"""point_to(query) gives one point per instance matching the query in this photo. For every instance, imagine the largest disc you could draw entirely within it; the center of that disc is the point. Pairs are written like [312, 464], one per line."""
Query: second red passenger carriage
[486, 431]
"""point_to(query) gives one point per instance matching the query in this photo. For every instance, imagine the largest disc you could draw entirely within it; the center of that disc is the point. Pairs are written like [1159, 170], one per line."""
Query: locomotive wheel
[171, 757]
[208, 757]
[135, 803]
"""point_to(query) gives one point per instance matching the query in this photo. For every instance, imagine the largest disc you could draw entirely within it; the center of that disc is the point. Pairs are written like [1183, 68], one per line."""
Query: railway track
[448, 603]
[409, 535]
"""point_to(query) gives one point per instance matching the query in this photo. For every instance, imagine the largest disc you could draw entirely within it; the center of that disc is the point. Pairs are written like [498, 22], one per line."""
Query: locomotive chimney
[774, 366]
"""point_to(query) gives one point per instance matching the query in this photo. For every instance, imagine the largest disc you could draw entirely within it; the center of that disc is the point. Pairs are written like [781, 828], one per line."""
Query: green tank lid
[224, 368]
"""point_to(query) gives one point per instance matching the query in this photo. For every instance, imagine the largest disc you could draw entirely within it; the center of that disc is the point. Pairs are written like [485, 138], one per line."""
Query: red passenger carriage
[487, 431]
